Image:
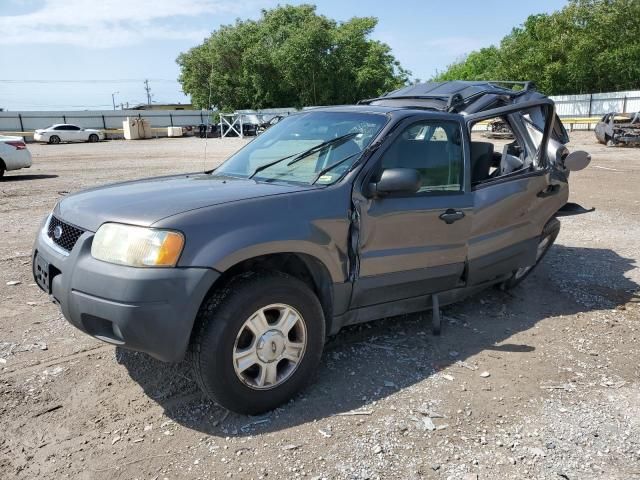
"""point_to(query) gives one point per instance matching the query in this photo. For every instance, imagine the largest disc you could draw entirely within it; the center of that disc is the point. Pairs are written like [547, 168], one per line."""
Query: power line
[122, 80]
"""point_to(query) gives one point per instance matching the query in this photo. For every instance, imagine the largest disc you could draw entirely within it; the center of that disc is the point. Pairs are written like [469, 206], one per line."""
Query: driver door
[416, 244]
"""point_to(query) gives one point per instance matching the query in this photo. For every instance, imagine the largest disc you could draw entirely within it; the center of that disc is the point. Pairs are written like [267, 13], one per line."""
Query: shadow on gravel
[19, 178]
[369, 362]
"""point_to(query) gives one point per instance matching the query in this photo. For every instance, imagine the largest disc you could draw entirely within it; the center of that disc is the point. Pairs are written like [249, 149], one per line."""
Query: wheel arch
[302, 266]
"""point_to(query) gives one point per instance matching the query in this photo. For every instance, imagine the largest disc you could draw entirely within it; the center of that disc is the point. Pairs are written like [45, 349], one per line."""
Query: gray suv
[332, 217]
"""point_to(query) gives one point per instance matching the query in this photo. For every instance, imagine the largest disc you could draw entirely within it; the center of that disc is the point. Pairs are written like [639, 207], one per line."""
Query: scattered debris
[537, 452]
[12, 283]
[355, 412]
[246, 427]
[485, 374]
[425, 423]
[221, 420]
[567, 387]
[48, 410]
[53, 372]
[466, 365]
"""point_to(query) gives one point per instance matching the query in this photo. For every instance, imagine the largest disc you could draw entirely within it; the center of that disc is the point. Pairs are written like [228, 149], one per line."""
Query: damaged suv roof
[468, 98]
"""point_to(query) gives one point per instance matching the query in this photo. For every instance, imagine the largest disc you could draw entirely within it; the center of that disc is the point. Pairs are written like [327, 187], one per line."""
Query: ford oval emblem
[57, 232]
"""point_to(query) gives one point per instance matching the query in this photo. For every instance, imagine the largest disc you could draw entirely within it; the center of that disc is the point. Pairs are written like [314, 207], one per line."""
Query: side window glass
[434, 149]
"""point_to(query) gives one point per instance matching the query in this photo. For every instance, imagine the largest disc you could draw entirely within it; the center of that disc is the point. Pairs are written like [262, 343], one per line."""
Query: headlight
[137, 246]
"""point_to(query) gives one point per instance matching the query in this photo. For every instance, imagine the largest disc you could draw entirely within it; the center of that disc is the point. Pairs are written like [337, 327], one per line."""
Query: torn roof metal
[458, 96]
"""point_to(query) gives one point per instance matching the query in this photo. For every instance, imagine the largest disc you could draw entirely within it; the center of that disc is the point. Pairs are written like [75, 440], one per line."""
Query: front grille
[68, 235]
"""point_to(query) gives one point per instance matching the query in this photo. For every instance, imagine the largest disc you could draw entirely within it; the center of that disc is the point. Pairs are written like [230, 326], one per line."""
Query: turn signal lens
[137, 246]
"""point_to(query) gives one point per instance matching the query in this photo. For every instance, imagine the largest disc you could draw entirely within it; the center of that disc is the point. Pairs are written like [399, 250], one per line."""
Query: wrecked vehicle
[498, 129]
[331, 217]
[619, 129]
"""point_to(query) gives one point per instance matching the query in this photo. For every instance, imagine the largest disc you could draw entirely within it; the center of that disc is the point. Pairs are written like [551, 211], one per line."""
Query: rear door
[415, 244]
[509, 209]
[61, 132]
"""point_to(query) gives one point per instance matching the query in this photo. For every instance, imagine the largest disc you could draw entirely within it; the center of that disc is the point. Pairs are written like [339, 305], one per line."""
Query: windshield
[314, 147]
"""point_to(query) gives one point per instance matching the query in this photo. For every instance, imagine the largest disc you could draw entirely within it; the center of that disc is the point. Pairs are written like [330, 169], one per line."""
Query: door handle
[451, 215]
[550, 190]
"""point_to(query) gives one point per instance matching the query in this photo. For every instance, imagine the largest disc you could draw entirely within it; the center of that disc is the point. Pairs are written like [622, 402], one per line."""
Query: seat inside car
[481, 158]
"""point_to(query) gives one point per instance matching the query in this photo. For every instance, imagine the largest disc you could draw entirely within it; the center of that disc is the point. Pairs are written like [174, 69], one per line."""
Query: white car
[65, 132]
[13, 154]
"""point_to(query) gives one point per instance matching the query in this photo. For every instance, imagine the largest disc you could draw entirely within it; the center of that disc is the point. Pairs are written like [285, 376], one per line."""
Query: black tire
[1, 171]
[54, 139]
[550, 232]
[218, 324]
[93, 138]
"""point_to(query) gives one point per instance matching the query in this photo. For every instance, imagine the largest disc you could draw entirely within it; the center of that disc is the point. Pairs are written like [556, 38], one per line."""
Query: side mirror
[396, 180]
[577, 160]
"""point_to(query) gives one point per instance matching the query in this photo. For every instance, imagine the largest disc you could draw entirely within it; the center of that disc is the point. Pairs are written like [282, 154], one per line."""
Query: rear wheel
[257, 342]
[548, 236]
[93, 138]
[54, 139]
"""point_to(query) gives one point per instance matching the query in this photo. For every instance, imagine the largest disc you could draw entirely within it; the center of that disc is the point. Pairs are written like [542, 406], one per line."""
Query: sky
[85, 54]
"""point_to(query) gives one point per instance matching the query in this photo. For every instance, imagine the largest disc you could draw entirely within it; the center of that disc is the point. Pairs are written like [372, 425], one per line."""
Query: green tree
[588, 46]
[291, 56]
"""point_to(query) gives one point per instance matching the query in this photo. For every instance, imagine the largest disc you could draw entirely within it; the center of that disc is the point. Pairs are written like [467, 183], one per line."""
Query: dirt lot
[542, 382]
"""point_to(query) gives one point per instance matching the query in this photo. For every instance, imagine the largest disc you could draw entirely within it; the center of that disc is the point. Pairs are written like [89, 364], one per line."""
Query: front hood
[144, 202]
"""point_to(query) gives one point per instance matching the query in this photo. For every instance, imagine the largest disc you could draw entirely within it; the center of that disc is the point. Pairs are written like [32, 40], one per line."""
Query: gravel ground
[542, 382]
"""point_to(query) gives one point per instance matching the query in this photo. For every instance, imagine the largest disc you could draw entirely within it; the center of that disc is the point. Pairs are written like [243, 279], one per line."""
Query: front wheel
[546, 239]
[257, 341]
[93, 138]
[54, 139]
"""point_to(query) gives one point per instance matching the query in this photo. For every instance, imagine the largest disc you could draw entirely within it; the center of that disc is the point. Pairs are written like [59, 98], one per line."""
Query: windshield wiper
[304, 154]
[333, 165]
[270, 164]
[322, 146]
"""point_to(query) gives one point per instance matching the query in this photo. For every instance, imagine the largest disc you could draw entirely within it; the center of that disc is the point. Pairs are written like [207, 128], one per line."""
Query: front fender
[234, 247]
[315, 223]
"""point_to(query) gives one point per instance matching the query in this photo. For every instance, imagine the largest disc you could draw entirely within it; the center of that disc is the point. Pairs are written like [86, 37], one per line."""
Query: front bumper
[146, 309]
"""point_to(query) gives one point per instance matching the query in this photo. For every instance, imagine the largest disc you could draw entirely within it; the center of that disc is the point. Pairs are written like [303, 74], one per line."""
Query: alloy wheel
[269, 346]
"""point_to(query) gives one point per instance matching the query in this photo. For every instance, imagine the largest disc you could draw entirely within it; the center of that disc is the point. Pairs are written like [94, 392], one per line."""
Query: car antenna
[206, 128]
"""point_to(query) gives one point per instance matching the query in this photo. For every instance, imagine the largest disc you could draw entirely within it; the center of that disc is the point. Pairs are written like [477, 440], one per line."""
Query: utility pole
[113, 99]
[148, 90]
